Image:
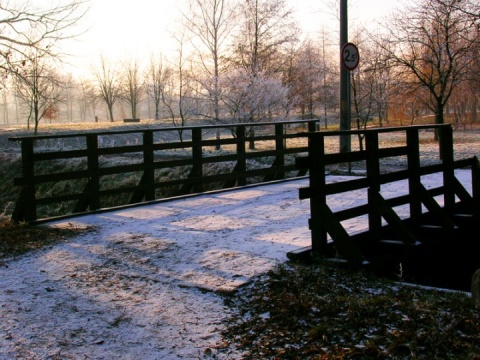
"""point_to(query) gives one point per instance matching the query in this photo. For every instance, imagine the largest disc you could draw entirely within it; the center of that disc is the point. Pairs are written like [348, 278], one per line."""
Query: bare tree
[268, 27]
[108, 84]
[26, 28]
[465, 100]
[362, 99]
[376, 67]
[434, 43]
[182, 78]
[157, 79]
[311, 79]
[370, 84]
[5, 104]
[303, 75]
[267, 33]
[181, 88]
[133, 90]
[40, 89]
[86, 99]
[330, 83]
[69, 93]
[211, 23]
[167, 95]
[407, 103]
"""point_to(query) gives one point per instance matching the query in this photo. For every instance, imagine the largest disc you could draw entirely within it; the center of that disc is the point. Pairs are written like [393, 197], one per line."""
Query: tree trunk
[110, 113]
[439, 119]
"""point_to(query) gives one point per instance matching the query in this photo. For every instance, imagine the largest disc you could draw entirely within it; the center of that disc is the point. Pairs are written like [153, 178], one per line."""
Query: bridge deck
[221, 239]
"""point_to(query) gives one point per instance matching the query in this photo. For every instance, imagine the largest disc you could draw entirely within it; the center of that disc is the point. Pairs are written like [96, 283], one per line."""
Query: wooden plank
[304, 193]
[18, 214]
[433, 207]
[93, 168]
[339, 158]
[374, 185]
[260, 154]
[57, 155]
[296, 150]
[148, 177]
[446, 155]
[119, 150]
[414, 180]
[394, 221]
[393, 152]
[302, 162]
[303, 255]
[352, 212]
[476, 187]
[316, 158]
[462, 193]
[28, 201]
[84, 199]
[343, 244]
[346, 186]
[139, 193]
[277, 170]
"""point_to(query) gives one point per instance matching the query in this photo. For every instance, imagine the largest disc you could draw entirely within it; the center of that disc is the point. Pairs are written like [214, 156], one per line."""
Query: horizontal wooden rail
[259, 152]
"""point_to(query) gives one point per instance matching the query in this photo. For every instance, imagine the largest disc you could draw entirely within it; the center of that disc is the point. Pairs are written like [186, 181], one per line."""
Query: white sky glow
[122, 29]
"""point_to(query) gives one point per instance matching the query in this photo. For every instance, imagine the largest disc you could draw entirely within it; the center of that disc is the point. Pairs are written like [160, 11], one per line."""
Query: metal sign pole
[345, 145]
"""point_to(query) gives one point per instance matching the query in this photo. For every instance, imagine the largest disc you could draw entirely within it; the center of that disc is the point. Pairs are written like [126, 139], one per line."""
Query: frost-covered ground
[149, 281]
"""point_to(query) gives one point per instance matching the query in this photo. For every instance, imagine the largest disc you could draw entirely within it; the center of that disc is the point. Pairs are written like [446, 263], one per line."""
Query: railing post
[318, 198]
[26, 208]
[148, 160]
[413, 161]
[446, 153]
[476, 185]
[280, 151]
[251, 137]
[241, 165]
[373, 176]
[94, 178]
[197, 167]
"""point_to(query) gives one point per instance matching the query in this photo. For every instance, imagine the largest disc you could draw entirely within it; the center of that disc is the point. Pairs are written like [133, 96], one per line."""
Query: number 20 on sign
[350, 56]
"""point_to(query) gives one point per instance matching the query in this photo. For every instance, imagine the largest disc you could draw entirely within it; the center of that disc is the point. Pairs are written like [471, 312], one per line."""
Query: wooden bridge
[439, 234]
[440, 226]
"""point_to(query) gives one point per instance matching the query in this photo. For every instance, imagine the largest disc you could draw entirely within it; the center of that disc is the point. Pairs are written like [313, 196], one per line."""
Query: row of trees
[243, 61]
[422, 64]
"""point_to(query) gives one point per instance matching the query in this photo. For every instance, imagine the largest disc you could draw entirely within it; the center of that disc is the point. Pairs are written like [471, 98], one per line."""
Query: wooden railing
[326, 222]
[148, 153]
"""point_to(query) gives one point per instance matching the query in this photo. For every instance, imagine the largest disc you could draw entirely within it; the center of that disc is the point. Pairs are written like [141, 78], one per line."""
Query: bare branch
[25, 26]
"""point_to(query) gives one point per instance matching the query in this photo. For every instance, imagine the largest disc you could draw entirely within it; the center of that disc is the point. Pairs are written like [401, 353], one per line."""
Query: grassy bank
[324, 311]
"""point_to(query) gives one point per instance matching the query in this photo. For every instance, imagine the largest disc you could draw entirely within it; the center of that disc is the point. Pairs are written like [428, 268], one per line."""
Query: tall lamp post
[345, 142]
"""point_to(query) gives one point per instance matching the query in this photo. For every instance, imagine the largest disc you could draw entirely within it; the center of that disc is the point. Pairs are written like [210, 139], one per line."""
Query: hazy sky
[125, 28]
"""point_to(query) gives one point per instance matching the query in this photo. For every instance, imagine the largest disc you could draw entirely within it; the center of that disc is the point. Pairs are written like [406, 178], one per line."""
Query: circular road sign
[350, 56]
